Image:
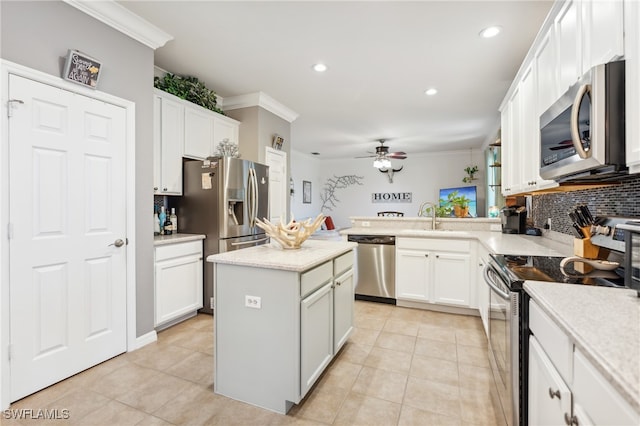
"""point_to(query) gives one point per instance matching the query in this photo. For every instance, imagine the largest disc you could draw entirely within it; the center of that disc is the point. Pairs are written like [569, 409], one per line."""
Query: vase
[459, 211]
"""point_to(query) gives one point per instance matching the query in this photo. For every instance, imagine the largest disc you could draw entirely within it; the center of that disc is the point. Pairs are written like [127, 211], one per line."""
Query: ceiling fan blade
[367, 156]
[398, 155]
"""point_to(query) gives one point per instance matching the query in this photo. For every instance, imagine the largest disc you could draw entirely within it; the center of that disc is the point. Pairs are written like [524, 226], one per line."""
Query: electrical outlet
[366, 224]
[548, 224]
[254, 302]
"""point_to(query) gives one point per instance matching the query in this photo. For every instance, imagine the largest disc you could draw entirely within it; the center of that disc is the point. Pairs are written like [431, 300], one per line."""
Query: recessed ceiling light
[431, 92]
[320, 67]
[490, 32]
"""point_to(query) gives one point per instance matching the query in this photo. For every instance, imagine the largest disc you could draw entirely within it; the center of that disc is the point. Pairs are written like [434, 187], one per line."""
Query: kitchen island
[280, 318]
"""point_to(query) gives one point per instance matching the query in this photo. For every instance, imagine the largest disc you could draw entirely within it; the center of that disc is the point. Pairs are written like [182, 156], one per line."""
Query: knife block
[584, 248]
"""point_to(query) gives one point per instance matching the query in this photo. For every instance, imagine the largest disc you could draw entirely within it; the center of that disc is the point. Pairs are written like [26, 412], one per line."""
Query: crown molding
[262, 100]
[122, 19]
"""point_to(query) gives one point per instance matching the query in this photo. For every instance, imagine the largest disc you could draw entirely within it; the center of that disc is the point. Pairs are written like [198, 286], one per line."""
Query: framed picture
[277, 142]
[306, 192]
[82, 69]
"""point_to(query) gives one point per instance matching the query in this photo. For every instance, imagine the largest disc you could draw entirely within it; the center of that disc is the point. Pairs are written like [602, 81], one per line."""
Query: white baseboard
[144, 340]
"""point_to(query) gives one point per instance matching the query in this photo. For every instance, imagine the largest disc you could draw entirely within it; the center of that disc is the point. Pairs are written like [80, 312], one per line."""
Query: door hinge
[10, 231]
[11, 105]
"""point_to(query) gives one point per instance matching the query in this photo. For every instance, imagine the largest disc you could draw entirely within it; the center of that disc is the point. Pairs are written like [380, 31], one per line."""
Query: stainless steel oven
[504, 341]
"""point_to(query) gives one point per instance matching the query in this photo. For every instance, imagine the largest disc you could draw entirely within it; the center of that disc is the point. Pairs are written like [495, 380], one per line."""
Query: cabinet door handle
[164, 189]
[426, 255]
[553, 394]
[570, 420]
[437, 256]
[338, 283]
[155, 188]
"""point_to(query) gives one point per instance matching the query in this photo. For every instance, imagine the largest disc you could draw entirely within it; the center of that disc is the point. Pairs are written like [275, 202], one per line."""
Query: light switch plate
[254, 302]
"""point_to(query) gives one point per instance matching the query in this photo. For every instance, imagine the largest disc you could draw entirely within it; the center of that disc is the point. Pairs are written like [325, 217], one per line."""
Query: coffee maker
[514, 220]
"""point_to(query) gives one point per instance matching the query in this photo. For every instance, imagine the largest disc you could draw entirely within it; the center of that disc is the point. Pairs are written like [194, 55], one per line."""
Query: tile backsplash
[618, 200]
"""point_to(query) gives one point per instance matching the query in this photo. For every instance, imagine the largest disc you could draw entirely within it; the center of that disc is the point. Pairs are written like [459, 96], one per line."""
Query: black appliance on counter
[509, 309]
[514, 220]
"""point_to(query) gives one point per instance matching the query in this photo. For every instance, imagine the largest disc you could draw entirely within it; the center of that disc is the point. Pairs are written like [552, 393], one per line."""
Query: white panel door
[67, 209]
[277, 162]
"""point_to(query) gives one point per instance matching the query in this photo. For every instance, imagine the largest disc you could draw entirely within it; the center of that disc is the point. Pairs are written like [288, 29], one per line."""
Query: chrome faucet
[433, 212]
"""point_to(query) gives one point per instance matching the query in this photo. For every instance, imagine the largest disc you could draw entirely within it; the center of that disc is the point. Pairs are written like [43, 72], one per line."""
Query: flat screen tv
[467, 191]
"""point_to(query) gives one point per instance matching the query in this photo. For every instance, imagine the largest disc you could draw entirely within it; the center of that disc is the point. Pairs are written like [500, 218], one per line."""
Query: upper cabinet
[191, 130]
[632, 42]
[167, 145]
[576, 36]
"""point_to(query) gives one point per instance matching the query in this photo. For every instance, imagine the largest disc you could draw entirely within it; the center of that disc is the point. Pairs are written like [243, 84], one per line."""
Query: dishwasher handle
[373, 239]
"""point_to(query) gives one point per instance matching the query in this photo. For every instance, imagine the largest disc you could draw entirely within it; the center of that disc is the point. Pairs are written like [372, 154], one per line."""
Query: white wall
[423, 175]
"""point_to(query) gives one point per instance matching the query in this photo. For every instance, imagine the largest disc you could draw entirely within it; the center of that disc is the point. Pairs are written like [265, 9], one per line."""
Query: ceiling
[381, 57]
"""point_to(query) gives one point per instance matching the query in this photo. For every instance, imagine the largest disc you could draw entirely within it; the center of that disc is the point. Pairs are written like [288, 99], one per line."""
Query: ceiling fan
[382, 155]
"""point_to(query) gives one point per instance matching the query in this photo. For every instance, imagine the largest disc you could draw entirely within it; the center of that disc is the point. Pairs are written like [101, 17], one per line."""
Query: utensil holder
[584, 248]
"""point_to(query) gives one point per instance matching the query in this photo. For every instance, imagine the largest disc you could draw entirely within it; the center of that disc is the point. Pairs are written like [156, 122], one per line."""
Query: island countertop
[271, 256]
[604, 323]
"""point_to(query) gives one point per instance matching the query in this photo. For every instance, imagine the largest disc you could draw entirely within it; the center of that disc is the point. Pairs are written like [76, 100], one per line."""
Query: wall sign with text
[82, 69]
[391, 197]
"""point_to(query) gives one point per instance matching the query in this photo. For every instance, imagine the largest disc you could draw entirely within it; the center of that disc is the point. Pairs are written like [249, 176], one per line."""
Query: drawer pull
[338, 283]
[570, 420]
[553, 394]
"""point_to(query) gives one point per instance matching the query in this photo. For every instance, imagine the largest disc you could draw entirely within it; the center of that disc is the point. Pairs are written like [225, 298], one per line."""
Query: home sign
[391, 197]
[82, 69]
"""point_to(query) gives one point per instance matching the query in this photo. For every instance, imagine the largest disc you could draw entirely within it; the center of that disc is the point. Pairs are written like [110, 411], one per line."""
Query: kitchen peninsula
[281, 317]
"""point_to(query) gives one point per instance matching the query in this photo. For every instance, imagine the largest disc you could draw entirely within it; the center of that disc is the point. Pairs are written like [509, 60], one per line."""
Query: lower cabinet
[178, 281]
[482, 289]
[316, 335]
[435, 271]
[277, 330]
[564, 387]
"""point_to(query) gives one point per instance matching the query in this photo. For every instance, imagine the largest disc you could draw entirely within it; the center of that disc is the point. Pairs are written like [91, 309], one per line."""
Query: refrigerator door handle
[252, 198]
[244, 243]
[256, 194]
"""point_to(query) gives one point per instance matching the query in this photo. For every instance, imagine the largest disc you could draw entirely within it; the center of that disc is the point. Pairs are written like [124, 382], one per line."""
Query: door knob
[117, 243]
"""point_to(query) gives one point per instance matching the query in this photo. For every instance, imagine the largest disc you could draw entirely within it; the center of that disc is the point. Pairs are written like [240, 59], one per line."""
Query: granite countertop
[495, 242]
[604, 323]
[161, 240]
[272, 256]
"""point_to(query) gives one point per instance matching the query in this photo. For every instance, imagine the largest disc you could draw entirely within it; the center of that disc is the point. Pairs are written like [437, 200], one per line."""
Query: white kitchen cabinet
[545, 65]
[178, 281]
[198, 132]
[549, 396]
[632, 95]
[568, 36]
[343, 297]
[482, 289]
[184, 129]
[435, 271]
[316, 335]
[602, 24]
[564, 387]
[452, 278]
[412, 275]
[168, 141]
[278, 188]
[224, 128]
[512, 147]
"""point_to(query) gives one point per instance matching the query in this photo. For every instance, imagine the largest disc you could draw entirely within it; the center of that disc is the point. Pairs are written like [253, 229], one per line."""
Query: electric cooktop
[545, 268]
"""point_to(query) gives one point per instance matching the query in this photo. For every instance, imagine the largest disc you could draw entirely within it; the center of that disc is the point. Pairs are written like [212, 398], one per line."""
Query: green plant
[189, 89]
[470, 171]
[441, 211]
[454, 199]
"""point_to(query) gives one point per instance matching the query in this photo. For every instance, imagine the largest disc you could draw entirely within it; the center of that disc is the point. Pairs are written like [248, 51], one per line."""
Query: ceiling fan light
[377, 163]
[385, 163]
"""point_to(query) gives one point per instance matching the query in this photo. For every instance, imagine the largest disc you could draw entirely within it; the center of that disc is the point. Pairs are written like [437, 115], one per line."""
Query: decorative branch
[328, 197]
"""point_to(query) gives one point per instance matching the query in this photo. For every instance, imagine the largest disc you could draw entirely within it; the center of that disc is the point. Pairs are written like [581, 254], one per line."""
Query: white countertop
[272, 256]
[604, 323]
[496, 242]
[161, 240]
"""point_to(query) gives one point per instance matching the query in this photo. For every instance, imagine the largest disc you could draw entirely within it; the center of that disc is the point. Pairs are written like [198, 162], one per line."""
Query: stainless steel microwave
[582, 135]
[632, 254]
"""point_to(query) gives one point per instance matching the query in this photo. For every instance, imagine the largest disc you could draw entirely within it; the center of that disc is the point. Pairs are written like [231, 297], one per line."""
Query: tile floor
[400, 367]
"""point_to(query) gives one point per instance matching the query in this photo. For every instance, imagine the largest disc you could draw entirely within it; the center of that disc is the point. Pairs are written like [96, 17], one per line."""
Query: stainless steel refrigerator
[222, 197]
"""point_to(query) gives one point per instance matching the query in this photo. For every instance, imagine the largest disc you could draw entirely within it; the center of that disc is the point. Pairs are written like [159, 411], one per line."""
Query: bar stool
[391, 214]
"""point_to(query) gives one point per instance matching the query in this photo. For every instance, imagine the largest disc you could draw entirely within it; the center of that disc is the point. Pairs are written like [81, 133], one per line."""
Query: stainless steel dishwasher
[376, 267]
